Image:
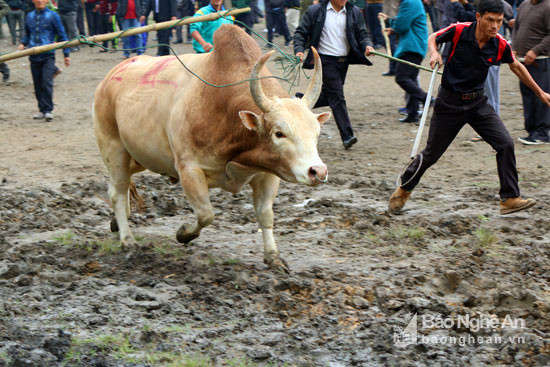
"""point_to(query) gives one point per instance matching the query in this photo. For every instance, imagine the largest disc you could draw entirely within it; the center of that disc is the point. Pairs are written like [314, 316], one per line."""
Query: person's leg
[269, 25]
[88, 7]
[179, 14]
[36, 71]
[134, 23]
[126, 40]
[536, 113]
[334, 75]
[5, 70]
[282, 26]
[163, 37]
[80, 20]
[489, 126]
[12, 26]
[446, 122]
[406, 78]
[48, 69]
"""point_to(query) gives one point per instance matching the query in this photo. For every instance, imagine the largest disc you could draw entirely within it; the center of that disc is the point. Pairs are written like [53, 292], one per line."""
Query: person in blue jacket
[42, 26]
[411, 27]
[203, 32]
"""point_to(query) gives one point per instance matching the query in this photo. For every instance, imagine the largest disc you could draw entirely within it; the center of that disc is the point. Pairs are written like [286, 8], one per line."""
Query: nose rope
[321, 181]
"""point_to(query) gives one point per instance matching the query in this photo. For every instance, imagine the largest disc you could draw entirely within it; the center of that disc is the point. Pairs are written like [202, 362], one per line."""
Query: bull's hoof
[183, 236]
[114, 225]
[278, 264]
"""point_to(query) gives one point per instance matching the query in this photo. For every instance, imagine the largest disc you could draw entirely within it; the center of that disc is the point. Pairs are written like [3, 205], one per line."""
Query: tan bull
[150, 113]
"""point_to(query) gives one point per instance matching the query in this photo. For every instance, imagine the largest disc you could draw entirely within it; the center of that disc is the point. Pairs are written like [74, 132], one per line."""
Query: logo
[465, 325]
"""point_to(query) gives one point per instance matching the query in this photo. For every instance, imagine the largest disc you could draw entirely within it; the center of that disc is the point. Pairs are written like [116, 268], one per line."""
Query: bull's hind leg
[265, 187]
[195, 187]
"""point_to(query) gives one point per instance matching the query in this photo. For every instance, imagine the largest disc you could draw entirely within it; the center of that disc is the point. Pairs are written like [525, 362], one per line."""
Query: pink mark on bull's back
[150, 77]
[123, 66]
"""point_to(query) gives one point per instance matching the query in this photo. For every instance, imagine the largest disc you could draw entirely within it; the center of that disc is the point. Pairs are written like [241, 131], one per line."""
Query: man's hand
[300, 55]
[511, 23]
[142, 19]
[545, 98]
[435, 58]
[207, 46]
[530, 57]
[173, 18]
[67, 61]
[382, 15]
[369, 51]
[21, 47]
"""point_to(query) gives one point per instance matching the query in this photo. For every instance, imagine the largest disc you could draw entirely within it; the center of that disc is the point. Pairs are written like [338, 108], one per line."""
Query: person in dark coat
[163, 10]
[337, 30]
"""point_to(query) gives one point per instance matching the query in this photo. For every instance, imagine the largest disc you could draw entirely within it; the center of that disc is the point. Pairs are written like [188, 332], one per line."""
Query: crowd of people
[469, 39]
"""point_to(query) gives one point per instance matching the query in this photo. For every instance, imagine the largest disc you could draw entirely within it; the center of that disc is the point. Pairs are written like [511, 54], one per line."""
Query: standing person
[128, 12]
[107, 11]
[412, 30]
[67, 10]
[4, 9]
[203, 32]
[80, 18]
[372, 8]
[292, 15]
[337, 30]
[92, 16]
[15, 20]
[531, 40]
[163, 10]
[245, 18]
[42, 26]
[185, 8]
[275, 18]
[474, 47]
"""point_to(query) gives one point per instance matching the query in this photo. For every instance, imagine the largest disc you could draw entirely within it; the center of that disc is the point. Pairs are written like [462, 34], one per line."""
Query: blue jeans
[132, 41]
[373, 23]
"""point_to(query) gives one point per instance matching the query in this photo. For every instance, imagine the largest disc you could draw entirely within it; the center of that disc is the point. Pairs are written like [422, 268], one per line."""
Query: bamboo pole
[384, 33]
[404, 62]
[120, 34]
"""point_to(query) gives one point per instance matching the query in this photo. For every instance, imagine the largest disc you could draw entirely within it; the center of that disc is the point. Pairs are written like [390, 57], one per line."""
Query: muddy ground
[69, 295]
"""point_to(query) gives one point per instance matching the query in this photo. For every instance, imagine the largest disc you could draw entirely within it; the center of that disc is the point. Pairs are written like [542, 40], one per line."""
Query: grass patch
[65, 239]
[400, 233]
[485, 237]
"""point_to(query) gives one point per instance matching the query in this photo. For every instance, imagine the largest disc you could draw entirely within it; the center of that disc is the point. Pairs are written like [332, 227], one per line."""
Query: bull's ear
[323, 117]
[250, 120]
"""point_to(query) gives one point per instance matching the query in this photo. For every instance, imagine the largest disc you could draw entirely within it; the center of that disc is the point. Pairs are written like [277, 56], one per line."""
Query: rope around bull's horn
[404, 62]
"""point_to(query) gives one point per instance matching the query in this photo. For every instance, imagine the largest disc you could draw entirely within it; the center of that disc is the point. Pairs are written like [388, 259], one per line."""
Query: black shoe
[269, 45]
[410, 118]
[178, 41]
[388, 73]
[299, 95]
[349, 142]
[287, 43]
[432, 102]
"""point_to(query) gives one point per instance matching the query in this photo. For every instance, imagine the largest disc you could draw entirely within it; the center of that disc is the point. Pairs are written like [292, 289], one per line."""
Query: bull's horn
[256, 86]
[314, 89]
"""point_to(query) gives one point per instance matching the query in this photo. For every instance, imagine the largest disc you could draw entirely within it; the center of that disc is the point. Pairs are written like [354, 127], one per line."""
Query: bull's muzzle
[318, 174]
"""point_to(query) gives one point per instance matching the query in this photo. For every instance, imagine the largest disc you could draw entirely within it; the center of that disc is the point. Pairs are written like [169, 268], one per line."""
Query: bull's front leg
[195, 187]
[265, 187]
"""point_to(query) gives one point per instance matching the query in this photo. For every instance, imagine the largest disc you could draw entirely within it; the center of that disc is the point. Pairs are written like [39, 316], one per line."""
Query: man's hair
[490, 6]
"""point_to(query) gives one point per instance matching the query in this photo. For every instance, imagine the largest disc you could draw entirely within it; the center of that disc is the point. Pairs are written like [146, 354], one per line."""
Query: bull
[149, 113]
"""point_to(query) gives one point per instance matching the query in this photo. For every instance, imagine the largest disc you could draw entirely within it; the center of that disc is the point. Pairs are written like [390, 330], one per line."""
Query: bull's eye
[280, 134]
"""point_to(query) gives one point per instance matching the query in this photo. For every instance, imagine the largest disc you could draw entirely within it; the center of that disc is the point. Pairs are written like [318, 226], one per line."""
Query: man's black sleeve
[302, 34]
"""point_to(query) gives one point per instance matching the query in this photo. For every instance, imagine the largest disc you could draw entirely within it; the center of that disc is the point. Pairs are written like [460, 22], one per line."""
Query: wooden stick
[386, 38]
[424, 113]
[404, 62]
[130, 32]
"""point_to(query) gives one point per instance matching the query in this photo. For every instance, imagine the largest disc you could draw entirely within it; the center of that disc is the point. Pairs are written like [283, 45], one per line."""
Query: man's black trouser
[163, 37]
[450, 114]
[332, 94]
[407, 78]
[276, 19]
[42, 69]
[535, 112]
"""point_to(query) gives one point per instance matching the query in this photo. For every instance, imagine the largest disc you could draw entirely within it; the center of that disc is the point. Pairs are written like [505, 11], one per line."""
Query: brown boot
[512, 205]
[398, 200]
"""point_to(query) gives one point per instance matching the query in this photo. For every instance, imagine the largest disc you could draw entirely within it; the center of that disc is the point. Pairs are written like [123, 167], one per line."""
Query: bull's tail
[135, 198]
